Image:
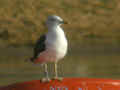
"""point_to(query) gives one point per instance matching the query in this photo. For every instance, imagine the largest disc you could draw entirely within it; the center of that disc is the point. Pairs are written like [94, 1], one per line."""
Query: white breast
[56, 43]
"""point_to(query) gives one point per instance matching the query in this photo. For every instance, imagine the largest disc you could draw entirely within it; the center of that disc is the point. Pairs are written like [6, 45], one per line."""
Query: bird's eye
[52, 19]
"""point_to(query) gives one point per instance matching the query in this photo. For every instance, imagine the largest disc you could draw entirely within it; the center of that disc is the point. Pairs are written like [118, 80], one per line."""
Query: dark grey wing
[39, 47]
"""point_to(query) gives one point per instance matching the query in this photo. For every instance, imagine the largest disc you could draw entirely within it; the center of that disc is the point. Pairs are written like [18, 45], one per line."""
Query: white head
[54, 20]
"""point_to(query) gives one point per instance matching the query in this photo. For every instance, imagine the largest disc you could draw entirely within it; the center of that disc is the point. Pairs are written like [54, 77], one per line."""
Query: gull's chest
[57, 42]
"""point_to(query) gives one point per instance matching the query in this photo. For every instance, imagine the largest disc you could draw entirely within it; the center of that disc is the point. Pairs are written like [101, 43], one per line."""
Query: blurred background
[93, 34]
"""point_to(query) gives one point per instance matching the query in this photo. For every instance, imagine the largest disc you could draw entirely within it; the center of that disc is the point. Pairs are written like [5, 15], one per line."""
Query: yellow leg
[46, 79]
[56, 72]
[46, 71]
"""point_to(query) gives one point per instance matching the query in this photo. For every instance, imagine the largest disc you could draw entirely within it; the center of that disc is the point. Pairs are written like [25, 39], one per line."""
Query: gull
[51, 47]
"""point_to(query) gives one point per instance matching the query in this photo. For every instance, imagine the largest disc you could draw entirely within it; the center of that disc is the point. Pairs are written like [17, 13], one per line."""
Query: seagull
[51, 47]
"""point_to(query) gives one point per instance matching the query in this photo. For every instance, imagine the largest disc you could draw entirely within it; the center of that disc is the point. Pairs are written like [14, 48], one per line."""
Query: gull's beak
[64, 22]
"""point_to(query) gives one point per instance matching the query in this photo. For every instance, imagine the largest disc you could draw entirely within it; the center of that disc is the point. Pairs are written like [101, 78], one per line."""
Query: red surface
[67, 84]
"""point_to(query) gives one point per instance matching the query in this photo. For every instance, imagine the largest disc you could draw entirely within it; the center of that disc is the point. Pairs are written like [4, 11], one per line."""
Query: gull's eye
[52, 19]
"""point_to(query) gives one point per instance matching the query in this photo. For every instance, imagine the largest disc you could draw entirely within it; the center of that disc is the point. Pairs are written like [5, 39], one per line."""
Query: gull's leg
[56, 72]
[46, 79]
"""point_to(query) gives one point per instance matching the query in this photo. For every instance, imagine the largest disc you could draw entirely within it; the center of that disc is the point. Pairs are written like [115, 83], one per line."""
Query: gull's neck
[55, 30]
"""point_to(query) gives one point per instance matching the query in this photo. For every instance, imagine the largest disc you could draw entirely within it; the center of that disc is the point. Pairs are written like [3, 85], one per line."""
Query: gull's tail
[30, 60]
[35, 60]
